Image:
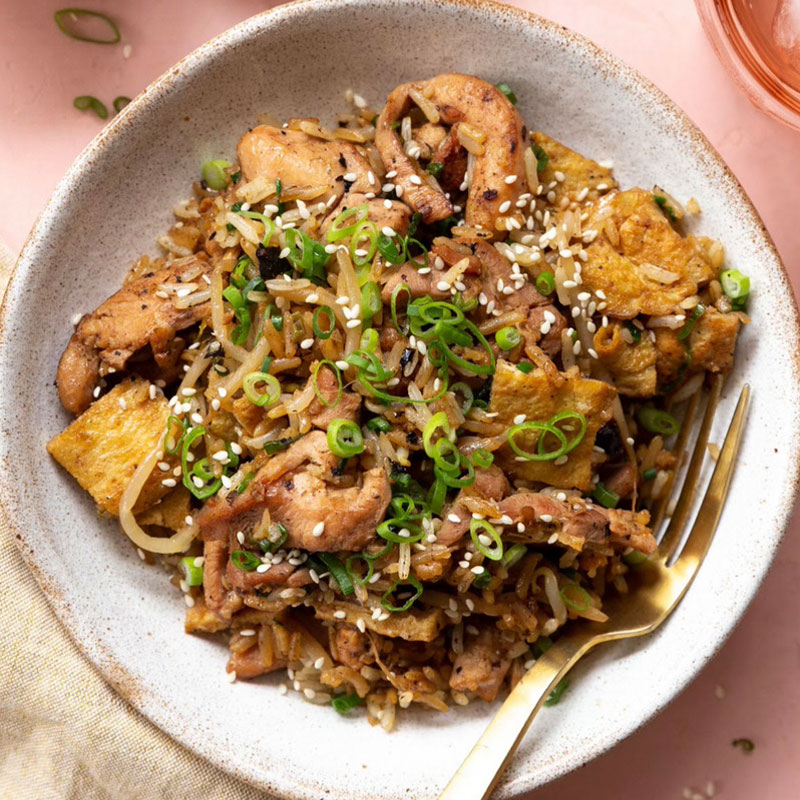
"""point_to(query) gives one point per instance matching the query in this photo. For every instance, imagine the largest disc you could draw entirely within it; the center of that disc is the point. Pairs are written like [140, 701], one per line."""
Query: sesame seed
[197, 418]
[560, 461]
[361, 625]
[152, 392]
[504, 206]
[416, 180]
[388, 187]
[318, 530]
[282, 689]
[340, 614]
[353, 323]
[479, 570]
[122, 404]
[319, 663]
[344, 300]
[232, 676]
[222, 391]
[546, 517]
[284, 253]
[312, 298]
[454, 518]
[169, 482]
[350, 177]
[388, 231]
[307, 343]
[520, 527]
[463, 564]
[592, 352]
[553, 538]
[221, 455]
[189, 600]
[576, 348]
[561, 496]
[140, 553]
[443, 286]
[519, 419]
[215, 404]
[96, 392]
[510, 179]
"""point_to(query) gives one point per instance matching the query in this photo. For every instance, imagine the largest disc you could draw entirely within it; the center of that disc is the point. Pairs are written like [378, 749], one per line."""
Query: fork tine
[705, 523]
[680, 449]
[677, 524]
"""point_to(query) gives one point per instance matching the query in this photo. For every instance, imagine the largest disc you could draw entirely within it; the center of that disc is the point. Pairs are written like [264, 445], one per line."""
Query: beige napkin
[64, 733]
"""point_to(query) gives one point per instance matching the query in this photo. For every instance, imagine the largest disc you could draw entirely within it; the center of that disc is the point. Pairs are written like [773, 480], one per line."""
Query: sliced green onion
[364, 230]
[344, 438]
[437, 421]
[546, 283]
[86, 102]
[398, 530]
[483, 580]
[469, 396]
[446, 455]
[245, 482]
[379, 425]
[245, 560]
[736, 285]
[566, 416]
[661, 201]
[634, 558]
[582, 602]
[452, 478]
[68, 18]
[437, 496]
[241, 310]
[269, 225]
[513, 555]
[525, 367]
[370, 340]
[172, 446]
[507, 338]
[360, 580]
[275, 317]
[649, 474]
[315, 378]
[480, 527]
[401, 287]
[338, 230]
[392, 248]
[214, 174]
[435, 168]
[482, 458]
[344, 703]
[200, 492]
[558, 692]
[506, 90]
[308, 256]
[192, 574]
[265, 399]
[370, 300]
[542, 159]
[657, 421]
[411, 259]
[338, 572]
[279, 445]
[319, 332]
[411, 580]
[635, 332]
[605, 496]
[120, 102]
[691, 322]
[543, 428]
[542, 645]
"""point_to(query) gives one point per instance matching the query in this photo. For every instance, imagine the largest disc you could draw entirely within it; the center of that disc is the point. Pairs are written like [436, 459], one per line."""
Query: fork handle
[479, 774]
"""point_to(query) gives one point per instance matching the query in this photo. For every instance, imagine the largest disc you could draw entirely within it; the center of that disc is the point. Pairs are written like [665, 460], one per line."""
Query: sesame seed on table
[686, 750]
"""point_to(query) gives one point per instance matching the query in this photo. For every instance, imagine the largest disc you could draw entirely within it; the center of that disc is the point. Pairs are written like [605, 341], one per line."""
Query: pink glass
[758, 42]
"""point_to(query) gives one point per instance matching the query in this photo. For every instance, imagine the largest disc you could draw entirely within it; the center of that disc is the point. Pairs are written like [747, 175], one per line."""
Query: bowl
[298, 60]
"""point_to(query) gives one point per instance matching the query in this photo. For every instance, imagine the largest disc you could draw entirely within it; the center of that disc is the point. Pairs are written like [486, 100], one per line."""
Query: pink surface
[689, 744]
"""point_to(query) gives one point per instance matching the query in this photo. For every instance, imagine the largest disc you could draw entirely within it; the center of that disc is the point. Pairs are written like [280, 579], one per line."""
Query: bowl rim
[114, 672]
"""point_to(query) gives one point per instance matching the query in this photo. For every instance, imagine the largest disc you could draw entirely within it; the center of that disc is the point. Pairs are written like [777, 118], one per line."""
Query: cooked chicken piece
[490, 484]
[304, 163]
[273, 648]
[200, 618]
[461, 100]
[347, 408]
[632, 364]
[352, 646]
[429, 137]
[252, 663]
[578, 522]
[638, 259]
[103, 446]
[414, 625]
[483, 665]
[396, 217]
[710, 346]
[622, 481]
[283, 574]
[454, 160]
[292, 486]
[553, 321]
[496, 276]
[579, 172]
[137, 315]
[419, 285]
[539, 396]
[219, 598]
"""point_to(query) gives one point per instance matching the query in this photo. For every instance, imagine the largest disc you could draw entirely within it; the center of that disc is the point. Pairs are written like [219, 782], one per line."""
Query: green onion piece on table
[506, 90]
[120, 102]
[344, 438]
[345, 703]
[86, 102]
[70, 20]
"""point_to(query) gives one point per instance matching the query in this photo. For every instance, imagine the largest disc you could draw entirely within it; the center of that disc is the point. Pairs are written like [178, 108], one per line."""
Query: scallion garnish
[192, 574]
[558, 692]
[261, 399]
[480, 529]
[736, 286]
[344, 438]
[245, 560]
[545, 283]
[649, 474]
[214, 174]
[370, 300]
[198, 473]
[315, 380]
[86, 102]
[120, 102]
[68, 19]
[245, 482]
[542, 159]
[275, 539]
[392, 248]
[576, 597]
[435, 168]
[279, 445]
[379, 425]
[657, 421]
[172, 445]
[482, 458]
[275, 317]
[436, 422]
[363, 243]
[691, 322]
[345, 703]
[542, 645]
[338, 230]
[605, 496]
[507, 338]
[661, 201]
[525, 367]
[338, 572]
[506, 90]
[308, 256]
[636, 333]
[319, 331]
[388, 596]
[634, 558]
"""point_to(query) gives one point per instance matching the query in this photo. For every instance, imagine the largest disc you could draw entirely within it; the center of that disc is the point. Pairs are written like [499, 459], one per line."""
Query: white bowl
[297, 61]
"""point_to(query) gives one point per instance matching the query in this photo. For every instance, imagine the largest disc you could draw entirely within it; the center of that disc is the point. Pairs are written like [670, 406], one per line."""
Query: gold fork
[659, 587]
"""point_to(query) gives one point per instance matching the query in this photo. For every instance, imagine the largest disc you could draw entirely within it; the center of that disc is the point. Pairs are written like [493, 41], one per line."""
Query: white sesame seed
[463, 564]
[510, 179]
[122, 404]
[388, 187]
[215, 404]
[96, 392]
[416, 180]
[189, 600]
[553, 538]
[592, 352]
[222, 391]
[519, 419]
[340, 614]
[342, 365]
[479, 570]
[353, 323]
[307, 343]
[318, 530]
[350, 177]
[576, 348]
[546, 517]
[561, 496]
[140, 553]
[504, 206]
[443, 286]
[387, 231]
[169, 482]
[361, 625]
[454, 518]
[221, 455]
[240, 537]
[197, 418]
[319, 663]
[560, 461]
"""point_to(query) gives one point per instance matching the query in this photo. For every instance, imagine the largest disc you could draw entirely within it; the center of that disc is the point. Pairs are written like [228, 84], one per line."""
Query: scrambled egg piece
[632, 232]
[103, 446]
[539, 397]
[632, 365]
[578, 172]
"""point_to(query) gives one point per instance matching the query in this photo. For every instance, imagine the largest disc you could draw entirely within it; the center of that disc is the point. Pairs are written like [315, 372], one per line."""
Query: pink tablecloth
[751, 689]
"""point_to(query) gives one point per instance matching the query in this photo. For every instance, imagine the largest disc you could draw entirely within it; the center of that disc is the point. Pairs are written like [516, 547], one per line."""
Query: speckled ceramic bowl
[296, 61]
